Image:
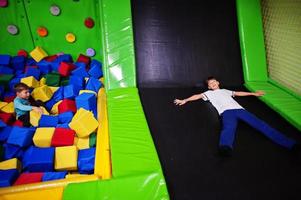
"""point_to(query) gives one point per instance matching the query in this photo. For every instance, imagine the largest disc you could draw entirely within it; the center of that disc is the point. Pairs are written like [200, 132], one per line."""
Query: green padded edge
[138, 187]
[118, 44]
[280, 100]
[251, 40]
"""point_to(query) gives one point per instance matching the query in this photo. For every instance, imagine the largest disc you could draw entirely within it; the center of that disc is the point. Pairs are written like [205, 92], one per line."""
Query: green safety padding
[251, 40]
[70, 20]
[286, 104]
[132, 147]
[139, 187]
[118, 44]
[14, 14]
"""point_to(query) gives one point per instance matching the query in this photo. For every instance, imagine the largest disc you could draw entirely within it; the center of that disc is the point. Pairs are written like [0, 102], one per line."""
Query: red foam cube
[66, 68]
[67, 105]
[26, 178]
[22, 52]
[51, 58]
[18, 123]
[6, 117]
[62, 137]
[9, 99]
[83, 58]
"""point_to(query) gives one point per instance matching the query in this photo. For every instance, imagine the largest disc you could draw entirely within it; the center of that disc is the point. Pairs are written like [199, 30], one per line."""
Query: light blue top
[21, 106]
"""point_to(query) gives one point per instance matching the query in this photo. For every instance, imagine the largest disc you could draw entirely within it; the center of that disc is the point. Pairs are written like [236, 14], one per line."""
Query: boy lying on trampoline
[230, 112]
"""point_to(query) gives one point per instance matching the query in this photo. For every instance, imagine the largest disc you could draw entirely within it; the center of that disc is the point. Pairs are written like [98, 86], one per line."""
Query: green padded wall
[282, 22]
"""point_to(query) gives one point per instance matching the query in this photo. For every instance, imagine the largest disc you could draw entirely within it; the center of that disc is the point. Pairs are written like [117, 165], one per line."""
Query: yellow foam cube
[8, 108]
[43, 136]
[83, 143]
[13, 163]
[34, 118]
[45, 112]
[83, 123]
[2, 104]
[38, 54]
[43, 81]
[53, 89]
[30, 81]
[55, 108]
[102, 80]
[66, 158]
[75, 140]
[42, 93]
[87, 91]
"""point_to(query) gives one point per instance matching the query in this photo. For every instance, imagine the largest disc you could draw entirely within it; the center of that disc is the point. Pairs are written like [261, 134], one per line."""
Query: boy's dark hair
[19, 87]
[209, 79]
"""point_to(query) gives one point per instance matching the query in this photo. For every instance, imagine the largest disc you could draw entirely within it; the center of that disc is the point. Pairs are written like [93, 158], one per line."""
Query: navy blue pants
[230, 119]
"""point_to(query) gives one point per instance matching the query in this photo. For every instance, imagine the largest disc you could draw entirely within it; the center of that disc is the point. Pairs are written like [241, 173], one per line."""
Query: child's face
[213, 84]
[24, 94]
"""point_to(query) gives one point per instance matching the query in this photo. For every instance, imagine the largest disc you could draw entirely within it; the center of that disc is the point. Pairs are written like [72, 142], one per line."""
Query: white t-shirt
[221, 99]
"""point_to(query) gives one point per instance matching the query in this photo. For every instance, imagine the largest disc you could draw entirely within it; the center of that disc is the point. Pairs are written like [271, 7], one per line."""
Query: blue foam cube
[48, 121]
[2, 124]
[64, 58]
[65, 125]
[4, 133]
[71, 91]
[18, 63]
[13, 82]
[77, 80]
[95, 69]
[6, 70]
[49, 104]
[39, 159]
[12, 151]
[4, 60]
[80, 71]
[86, 101]
[65, 117]
[31, 71]
[80, 64]
[20, 136]
[86, 160]
[55, 66]
[48, 176]
[93, 84]
[44, 66]
[8, 177]
[31, 62]
[58, 95]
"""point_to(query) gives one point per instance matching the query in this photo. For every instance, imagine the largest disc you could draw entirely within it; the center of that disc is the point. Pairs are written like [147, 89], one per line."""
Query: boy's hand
[259, 93]
[37, 109]
[179, 102]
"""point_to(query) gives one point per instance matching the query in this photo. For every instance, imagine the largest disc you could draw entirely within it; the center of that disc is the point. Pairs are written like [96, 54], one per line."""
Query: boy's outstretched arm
[257, 93]
[181, 102]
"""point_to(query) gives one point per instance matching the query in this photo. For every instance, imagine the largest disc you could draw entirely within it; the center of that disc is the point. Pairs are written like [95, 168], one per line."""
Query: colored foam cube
[4, 79]
[2, 124]
[66, 158]
[95, 69]
[8, 177]
[38, 159]
[13, 82]
[44, 66]
[58, 95]
[77, 80]
[30, 82]
[80, 64]
[42, 93]
[34, 118]
[65, 125]
[83, 123]
[54, 89]
[80, 71]
[32, 71]
[64, 58]
[86, 160]
[62, 137]
[6, 117]
[38, 54]
[12, 151]
[87, 91]
[6, 70]
[43, 82]
[92, 140]
[43, 137]
[18, 123]
[48, 121]
[4, 59]
[2, 104]
[67, 105]
[55, 66]
[71, 91]
[83, 143]
[30, 62]
[53, 79]
[64, 81]
[50, 58]
[13, 163]
[48, 176]
[18, 63]
[86, 101]
[65, 68]
[93, 84]
[26, 178]
[20, 136]
[4, 133]
[83, 58]
[9, 108]
[55, 108]
[65, 117]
